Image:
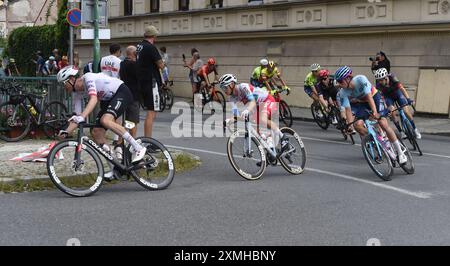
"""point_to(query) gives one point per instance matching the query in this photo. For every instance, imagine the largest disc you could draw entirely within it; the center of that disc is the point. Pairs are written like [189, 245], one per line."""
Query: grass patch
[183, 162]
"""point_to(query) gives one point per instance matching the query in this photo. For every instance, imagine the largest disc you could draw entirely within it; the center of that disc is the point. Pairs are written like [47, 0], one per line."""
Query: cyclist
[114, 97]
[311, 81]
[393, 91]
[256, 79]
[358, 95]
[253, 96]
[327, 91]
[205, 70]
[270, 75]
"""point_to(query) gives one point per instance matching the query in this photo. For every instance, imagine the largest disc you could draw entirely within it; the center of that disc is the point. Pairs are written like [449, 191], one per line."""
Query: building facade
[415, 35]
[18, 13]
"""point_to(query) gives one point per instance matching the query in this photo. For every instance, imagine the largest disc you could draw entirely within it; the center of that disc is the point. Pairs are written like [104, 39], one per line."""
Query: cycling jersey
[310, 80]
[265, 73]
[256, 74]
[101, 85]
[110, 65]
[245, 93]
[327, 92]
[205, 70]
[391, 89]
[362, 88]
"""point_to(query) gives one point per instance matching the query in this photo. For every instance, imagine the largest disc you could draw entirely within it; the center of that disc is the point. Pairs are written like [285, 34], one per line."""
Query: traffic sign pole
[70, 5]
[96, 39]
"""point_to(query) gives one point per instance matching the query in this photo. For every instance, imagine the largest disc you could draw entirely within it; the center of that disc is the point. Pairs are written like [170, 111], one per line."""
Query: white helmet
[264, 62]
[381, 73]
[65, 73]
[315, 67]
[226, 80]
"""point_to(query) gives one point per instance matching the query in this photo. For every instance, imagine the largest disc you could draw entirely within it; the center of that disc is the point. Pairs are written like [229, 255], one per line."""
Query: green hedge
[23, 42]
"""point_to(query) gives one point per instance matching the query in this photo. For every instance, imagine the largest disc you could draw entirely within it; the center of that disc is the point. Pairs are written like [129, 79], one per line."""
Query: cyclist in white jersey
[110, 65]
[252, 97]
[113, 95]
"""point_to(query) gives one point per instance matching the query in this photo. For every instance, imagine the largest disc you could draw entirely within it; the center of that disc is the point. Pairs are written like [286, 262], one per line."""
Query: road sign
[74, 17]
[88, 34]
[87, 13]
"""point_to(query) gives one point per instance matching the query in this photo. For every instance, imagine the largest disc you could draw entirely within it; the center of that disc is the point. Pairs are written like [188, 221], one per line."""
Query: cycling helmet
[65, 73]
[315, 67]
[323, 74]
[211, 61]
[342, 73]
[226, 80]
[264, 62]
[52, 58]
[381, 73]
[271, 64]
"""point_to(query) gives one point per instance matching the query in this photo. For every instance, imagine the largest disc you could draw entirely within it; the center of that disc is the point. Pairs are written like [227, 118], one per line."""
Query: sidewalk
[426, 124]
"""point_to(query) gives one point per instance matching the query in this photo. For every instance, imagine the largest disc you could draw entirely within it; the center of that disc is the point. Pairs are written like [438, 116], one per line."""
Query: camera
[371, 59]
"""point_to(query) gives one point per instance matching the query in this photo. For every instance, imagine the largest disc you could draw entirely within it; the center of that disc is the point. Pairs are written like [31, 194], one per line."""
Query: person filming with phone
[380, 61]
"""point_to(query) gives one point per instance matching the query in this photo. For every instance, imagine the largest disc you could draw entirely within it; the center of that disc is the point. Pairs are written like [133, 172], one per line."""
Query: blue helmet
[342, 73]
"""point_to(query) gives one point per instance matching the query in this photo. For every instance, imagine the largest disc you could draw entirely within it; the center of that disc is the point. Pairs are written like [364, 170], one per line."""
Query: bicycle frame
[371, 130]
[251, 132]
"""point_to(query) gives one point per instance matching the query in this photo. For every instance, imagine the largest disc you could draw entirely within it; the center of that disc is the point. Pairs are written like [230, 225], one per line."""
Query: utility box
[87, 13]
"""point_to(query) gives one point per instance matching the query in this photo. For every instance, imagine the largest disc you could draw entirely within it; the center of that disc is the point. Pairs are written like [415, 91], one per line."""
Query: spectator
[2, 71]
[194, 65]
[57, 56]
[50, 67]
[11, 68]
[165, 58]
[88, 68]
[110, 65]
[380, 61]
[129, 76]
[63, 63]
[149, 64]
[76, 60]
[40, 63]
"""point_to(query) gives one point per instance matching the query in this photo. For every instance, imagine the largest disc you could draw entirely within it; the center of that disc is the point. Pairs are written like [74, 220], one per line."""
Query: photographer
[380, 61]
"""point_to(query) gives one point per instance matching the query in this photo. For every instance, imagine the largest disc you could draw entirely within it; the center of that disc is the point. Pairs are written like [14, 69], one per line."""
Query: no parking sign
[74, 17]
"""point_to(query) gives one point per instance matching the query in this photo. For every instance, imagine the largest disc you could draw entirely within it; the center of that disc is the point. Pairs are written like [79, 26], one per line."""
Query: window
[183, 5]
[255, 2]
[216, 3]
[128, 7]
[154, 6]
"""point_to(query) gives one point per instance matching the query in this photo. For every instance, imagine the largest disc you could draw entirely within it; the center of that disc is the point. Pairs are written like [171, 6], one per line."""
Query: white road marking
[420, 195]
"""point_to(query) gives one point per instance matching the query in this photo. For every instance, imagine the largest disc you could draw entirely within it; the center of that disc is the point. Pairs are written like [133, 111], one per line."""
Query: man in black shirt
[149, 66]
[128, 74]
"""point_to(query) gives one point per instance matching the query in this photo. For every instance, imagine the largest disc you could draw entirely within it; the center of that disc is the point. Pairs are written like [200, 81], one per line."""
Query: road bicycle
[24, 109]
[76, 168]
[284, 110]
[404, 125]
[167, 96]
[249, 153]
[380, 154]
[208, 97]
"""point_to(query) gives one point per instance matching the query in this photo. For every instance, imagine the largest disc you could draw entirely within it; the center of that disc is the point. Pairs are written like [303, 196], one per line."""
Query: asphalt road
[336, 201]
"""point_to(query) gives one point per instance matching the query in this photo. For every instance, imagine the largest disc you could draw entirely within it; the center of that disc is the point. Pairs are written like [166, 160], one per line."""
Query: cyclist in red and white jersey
[252, 97]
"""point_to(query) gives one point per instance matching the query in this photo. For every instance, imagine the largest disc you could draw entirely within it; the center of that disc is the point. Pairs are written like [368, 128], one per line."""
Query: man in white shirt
[110, 64]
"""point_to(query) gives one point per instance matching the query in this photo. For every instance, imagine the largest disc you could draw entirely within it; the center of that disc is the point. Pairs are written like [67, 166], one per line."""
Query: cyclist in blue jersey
[360, 97]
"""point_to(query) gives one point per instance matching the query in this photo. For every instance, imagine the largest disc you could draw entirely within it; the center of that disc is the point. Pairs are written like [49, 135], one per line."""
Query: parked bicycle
[24, 109]
[249, 153]
[167, 96]
[75, 167]
[381, 155]
[404, 125]
[207, 98]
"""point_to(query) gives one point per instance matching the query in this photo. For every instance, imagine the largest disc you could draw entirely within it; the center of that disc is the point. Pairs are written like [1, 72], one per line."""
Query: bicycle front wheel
[248, 159]
[377, 158]
[157, 170]
[169, 99]
[80, 177]
[319, 116]
[293, 160]
[408, 167]
[285, 114]
[54, 118]
[15, 122]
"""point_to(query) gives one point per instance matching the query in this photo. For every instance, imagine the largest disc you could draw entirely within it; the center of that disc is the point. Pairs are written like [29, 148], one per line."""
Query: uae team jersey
[101, 85]
[110, 65]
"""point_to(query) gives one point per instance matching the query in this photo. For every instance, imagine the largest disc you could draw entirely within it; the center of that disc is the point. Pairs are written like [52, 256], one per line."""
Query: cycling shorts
[398, 97]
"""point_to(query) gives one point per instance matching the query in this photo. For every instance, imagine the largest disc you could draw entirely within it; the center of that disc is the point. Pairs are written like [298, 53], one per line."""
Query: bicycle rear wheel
[319, 116]
[377, 158]
[169, 99]
[285, 113]
[248, 162]
[54, 118]
[409, 131]
[157, 170]
[162, 100]
[77, 178]
[15, 121]
[294, 159]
